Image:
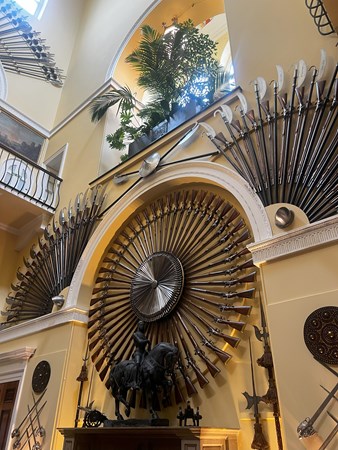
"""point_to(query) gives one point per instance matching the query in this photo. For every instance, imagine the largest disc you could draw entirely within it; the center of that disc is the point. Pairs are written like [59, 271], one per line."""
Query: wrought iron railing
[320, 16]
[27, 179]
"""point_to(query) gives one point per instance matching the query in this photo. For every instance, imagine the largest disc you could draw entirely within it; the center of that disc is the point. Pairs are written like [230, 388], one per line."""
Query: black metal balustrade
[29, 180]
[320, 16]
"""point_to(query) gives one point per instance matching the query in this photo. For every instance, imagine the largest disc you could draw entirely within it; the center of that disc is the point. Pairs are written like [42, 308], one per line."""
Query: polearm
[267, 362]
[16, 431]
[259, 442]
[81, 378]
[303, 114]
[314, 127]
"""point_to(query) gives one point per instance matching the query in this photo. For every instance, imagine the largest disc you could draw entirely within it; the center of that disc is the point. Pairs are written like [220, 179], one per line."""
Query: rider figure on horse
[141, 343]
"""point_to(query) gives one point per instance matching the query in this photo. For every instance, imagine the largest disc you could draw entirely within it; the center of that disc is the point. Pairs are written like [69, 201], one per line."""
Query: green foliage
[170, 66]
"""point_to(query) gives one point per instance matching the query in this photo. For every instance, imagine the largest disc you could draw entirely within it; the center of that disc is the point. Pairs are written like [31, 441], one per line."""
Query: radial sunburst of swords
[52, 262]
[181, 265]
[286, 148]
[22, 50]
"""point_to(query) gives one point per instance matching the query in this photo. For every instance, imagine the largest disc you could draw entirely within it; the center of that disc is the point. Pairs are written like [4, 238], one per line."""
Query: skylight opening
[33, 7]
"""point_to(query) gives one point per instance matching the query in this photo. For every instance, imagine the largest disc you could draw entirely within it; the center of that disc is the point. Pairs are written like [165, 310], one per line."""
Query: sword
[305, 428]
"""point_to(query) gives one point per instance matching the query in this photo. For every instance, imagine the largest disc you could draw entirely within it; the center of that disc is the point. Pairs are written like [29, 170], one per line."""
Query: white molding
[303, 238]
[83, 105]
[48, 321]
[21, 354]
[197, 171]
[3, 83]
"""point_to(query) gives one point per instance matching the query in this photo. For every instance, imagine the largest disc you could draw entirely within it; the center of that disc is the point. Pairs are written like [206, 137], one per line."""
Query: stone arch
[198, 171]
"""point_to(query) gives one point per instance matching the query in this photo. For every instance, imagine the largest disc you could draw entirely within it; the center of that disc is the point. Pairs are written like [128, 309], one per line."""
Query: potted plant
[179, 72]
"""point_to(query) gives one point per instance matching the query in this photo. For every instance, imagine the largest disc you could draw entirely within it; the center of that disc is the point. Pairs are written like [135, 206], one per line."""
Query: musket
[221, 354]
[239, 326]
[331, 435]
[248, 278]
[213, 370]
[248, 293]
[305, 428]
[235, 242]
[232, 340]
[259, 441]
[202, 380]
[231, 270]
[241, 309]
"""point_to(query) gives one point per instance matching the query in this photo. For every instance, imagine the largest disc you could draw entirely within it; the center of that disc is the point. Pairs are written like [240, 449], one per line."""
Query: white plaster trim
[21, 354]
[10, 230]
[303, 238]
[125, 41]
[203, 171]
[48, 321]
[3, 83]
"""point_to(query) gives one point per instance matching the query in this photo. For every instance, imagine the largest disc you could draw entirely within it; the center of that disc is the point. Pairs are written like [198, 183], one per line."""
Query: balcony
[29, 194]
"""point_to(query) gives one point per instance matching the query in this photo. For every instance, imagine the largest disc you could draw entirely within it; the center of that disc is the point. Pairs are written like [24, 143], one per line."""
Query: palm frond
[101, 104]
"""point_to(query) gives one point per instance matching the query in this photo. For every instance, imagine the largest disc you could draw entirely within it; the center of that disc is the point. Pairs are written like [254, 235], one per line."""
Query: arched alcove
[198, 172]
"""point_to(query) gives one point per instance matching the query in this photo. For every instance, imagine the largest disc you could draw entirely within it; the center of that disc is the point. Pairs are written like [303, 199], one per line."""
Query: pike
[303, 114]
[246, 134]
[259, 441]
[286, 134]
[262, 142]
[314, 127]
[222, 355]
[227, 119]
[202, 380]
[305, 428]
[328, 178]
[233, 341]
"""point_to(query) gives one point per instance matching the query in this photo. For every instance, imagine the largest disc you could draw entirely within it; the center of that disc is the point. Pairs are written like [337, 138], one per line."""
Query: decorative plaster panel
[304, 238]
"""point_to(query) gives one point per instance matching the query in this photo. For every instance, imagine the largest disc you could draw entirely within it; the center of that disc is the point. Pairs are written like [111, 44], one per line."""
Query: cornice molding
[301, 239]
[21, 354]
[52, 320]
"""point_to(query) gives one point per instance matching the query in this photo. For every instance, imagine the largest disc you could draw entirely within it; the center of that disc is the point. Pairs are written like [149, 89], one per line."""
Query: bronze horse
[153, 373]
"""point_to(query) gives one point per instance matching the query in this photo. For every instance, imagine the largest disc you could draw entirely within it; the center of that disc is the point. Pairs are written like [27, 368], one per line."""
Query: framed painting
[16, 136]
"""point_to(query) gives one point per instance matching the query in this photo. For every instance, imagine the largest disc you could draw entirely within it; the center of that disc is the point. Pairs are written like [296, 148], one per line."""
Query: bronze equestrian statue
[148, 370]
